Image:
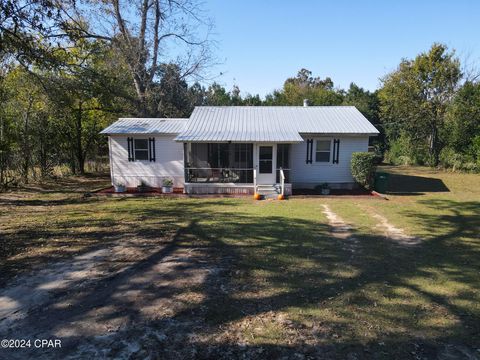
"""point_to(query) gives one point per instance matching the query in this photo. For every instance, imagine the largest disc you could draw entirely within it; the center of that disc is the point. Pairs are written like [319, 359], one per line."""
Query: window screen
[282, 156]
[141, 149]
[243, 155]
[322, 151]
[265, 159]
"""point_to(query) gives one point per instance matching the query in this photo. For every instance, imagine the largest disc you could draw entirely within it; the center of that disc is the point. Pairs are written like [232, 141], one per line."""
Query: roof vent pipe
[305, 102]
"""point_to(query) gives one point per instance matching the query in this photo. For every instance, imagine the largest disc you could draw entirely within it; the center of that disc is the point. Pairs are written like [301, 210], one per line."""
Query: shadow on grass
[71, 200]
[67, 184]
[343, 298]
[414, 185]
[73, 227]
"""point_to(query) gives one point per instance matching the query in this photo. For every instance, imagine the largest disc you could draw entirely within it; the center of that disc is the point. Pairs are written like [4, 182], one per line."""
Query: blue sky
[262, 42]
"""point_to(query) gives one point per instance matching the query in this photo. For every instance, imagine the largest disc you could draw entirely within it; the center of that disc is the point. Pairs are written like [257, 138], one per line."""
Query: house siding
[305, 175]
[168, 164]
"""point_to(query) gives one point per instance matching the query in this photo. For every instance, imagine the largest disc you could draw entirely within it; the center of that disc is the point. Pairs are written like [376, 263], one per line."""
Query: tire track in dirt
[390, 231]
[394, 233]
[341, 230]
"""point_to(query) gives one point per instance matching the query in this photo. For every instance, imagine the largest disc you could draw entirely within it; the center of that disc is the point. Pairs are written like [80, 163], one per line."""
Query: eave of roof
[146, 126]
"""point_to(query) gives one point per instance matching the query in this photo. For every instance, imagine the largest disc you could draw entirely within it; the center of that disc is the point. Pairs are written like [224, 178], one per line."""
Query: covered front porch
[237, 168]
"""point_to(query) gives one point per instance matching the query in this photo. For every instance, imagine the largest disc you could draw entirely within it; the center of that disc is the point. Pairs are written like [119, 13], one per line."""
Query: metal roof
[146, 126]
[272, 123]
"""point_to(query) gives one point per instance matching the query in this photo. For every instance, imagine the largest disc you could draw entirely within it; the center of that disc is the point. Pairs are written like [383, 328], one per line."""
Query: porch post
[185, 161]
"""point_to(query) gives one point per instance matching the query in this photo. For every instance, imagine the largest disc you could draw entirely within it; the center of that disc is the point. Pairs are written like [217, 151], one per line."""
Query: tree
[365, 101]
[142, 31]
[217, 96]
[197, 95]
[21, 106]
[7, 137]
[252, 100]
[415, 97]
[31, 31]
[171, 93]
[85, 99]
[304, 86]
[464, 118]
[368, 104]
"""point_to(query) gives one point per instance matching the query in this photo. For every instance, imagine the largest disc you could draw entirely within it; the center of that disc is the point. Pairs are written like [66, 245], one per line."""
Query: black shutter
[130, 149]
[334, 161]
[151, 149]
[336, 151]
[309, 151]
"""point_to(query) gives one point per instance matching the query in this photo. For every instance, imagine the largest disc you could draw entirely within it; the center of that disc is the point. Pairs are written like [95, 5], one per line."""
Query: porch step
[269, 191]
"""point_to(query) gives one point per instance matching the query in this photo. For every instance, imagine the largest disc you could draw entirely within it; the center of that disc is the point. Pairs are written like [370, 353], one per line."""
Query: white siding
[310, 175]
[168, 164]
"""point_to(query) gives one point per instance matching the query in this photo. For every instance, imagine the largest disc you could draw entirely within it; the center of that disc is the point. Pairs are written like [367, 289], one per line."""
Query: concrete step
[270, 190]
[271, 196]
[269, 193]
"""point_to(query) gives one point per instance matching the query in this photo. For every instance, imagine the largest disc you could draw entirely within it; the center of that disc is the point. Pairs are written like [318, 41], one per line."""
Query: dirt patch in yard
[111, 302]
[394, 233]
[341, 230]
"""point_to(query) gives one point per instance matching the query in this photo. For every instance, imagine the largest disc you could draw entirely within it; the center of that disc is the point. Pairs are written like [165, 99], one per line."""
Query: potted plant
[143, 187]
[325, 189]
[167, 186]
[120, 188]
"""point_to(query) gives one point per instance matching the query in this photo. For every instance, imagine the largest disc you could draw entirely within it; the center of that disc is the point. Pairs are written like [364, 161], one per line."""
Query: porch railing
[282, 182]
[219, 175]
[286, 173]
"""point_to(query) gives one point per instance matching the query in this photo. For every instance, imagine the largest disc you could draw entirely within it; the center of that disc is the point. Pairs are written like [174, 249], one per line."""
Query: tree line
[67, 71]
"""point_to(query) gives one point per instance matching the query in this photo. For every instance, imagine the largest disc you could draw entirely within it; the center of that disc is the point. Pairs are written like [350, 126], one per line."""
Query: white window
[140, 149]
[322, 151]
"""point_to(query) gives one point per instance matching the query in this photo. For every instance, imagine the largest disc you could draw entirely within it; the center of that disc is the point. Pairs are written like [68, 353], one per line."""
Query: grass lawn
[290, 284]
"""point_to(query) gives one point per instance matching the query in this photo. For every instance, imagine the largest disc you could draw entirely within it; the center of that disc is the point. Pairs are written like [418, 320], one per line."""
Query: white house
[240, 149]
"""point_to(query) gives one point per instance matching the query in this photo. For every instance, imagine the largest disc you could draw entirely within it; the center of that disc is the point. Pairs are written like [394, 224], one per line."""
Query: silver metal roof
[272, 123]
[146, 126]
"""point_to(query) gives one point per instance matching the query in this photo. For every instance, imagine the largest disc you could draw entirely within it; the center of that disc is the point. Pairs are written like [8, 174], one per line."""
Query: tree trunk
[434, 146]
[2, 155]
[73, 165]
[141, 97]
[78, 135]
[26, 143]
[43, 156]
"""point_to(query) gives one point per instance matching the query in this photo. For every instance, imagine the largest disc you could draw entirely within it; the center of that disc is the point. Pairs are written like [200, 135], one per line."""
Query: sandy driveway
[122, 300]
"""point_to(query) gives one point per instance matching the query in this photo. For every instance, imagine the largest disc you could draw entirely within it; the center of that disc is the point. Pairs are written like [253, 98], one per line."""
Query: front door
[266, 163]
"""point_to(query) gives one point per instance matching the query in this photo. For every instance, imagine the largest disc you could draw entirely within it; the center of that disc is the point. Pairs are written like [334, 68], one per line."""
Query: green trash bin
[381, 182]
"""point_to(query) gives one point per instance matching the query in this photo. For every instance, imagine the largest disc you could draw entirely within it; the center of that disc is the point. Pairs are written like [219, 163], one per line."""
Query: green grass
[291, 283]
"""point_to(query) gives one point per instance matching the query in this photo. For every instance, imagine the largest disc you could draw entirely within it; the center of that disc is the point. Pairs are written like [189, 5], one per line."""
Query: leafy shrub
[363, 168]
[450, 159]
[403, 160]
[396, 150]
[471, 166]
[404, 151]
[167, 182]
[475, 148]
[143, 187]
